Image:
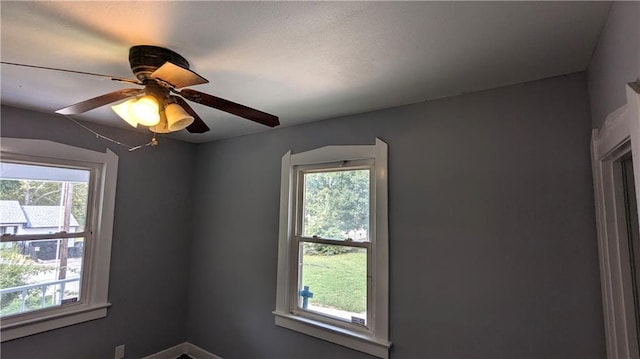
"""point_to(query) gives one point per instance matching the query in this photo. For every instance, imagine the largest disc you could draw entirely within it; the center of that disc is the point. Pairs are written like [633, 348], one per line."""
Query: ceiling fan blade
[99, 101]
[114, 78]
[230, 107]
[198, 126]
[177, 76]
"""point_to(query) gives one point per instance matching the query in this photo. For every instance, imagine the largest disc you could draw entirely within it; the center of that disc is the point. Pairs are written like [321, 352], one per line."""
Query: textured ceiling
[301, 61]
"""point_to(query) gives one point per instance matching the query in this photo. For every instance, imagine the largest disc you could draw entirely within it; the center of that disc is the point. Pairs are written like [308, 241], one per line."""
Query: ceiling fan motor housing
[145, 59]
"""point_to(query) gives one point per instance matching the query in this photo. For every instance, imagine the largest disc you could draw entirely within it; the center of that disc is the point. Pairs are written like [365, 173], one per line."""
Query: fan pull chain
[152, 143]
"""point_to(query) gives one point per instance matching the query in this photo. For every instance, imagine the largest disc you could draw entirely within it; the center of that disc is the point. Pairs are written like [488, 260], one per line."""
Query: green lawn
[337, 281]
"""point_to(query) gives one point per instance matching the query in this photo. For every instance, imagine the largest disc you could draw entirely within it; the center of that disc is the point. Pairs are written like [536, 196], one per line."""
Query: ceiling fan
[160, 104]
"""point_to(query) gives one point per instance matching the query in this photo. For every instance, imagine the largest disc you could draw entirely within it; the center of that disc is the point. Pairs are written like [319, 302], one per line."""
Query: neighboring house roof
[46, 216]
[11, 213]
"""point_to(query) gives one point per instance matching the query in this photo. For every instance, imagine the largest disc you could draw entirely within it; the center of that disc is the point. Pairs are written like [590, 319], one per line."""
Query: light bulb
[123, 110]
[145, 111]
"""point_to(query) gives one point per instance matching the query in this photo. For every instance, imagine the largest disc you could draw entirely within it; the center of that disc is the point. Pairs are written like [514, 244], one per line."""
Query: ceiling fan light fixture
[177, 117]
[145, 111]
[161, 127]
[122, 110]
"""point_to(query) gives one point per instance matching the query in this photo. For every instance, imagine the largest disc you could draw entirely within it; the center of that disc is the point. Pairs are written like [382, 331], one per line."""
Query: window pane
[333, 281]
[336, 205]
[633, 233]
[42, 199]
[39, 274]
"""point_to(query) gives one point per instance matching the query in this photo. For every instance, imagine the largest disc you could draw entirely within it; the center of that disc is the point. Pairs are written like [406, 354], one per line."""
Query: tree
[45, 193]
[79, 202]
[40, 193]
[10, 190]
[15, 270]
[336, 206]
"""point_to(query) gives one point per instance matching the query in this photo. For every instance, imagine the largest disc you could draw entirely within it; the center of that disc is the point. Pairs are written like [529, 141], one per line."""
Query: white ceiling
[301, 61]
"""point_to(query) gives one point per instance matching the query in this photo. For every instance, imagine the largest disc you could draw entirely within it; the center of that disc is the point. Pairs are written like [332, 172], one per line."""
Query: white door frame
[619, 135]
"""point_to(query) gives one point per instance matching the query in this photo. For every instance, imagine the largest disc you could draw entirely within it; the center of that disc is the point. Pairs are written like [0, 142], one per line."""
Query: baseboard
[196, 352]
[170, 353]
[191, 350]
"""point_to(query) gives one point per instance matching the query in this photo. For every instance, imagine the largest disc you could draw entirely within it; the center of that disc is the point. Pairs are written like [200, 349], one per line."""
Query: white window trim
[96, 267]
[619, 135]
[374, 341]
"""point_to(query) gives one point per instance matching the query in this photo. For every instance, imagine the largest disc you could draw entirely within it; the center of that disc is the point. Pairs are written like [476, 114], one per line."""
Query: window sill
[58, 318]
[338, 335]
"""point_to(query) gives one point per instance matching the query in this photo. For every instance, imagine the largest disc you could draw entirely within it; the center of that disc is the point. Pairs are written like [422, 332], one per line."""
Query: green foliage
[40, 193]
[33, 301]
[10, 190]
[336, 204]
[324, 250]
[15, 270]
[338, 281]
[45, 193]
[79, 202]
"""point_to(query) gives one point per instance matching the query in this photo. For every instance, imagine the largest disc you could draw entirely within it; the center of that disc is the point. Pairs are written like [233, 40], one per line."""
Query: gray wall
[616, 60]
[493, 251]
[150, 253]
[492, 232]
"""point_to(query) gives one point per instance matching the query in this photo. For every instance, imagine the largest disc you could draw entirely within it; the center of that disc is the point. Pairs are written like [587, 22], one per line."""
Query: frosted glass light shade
[145, 111]
[177, 117]
[142, 111]
[122, 110]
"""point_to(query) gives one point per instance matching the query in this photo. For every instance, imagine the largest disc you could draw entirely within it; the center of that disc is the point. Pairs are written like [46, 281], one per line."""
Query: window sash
[35, 237]
[82, 293]
[92, 188]
[333, 242]
[93, 184]
[297, 310]
[297, 238]
[298, 184]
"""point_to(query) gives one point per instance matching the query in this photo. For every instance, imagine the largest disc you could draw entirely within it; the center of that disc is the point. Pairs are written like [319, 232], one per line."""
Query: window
[56, 219]
[627, 185]
[333, 246]
[615, 148]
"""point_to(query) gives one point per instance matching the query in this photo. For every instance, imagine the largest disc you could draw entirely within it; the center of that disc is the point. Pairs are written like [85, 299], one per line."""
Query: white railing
[25, 288]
